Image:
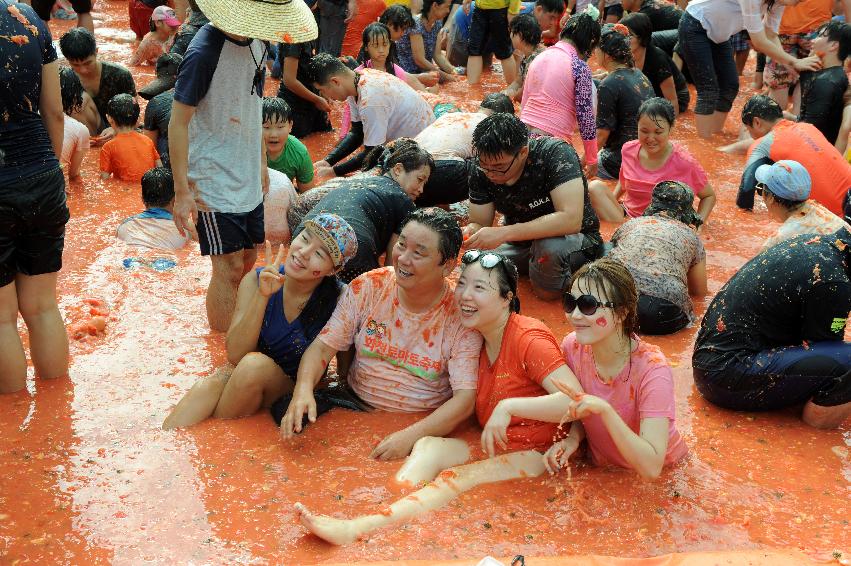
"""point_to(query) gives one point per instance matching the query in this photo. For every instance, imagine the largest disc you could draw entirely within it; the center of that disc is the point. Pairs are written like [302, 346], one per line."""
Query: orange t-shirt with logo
[404, 361]
[529, 353]
[128, 156]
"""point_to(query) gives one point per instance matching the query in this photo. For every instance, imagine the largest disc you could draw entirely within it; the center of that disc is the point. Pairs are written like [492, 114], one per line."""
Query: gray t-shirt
[225, 134]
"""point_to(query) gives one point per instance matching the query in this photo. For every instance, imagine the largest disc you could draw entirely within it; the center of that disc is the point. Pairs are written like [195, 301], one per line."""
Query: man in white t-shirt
[383, 108]
[449, 140]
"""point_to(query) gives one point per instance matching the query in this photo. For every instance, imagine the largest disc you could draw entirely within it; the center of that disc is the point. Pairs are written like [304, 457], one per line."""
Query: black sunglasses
[488, 260]
[588, 304]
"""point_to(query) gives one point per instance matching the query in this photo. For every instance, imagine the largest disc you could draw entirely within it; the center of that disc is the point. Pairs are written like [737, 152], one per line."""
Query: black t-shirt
[157, 116]
[822, 103]
[659, 67]
[796, 291]
[25, 147]
[303, 52]
[114, 79]
[374, 206]
[551, 162]
[618, 97]
[187, 31]
[663, 15]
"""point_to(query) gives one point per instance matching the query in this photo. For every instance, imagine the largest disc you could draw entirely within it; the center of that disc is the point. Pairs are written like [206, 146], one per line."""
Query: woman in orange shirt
[520, 358]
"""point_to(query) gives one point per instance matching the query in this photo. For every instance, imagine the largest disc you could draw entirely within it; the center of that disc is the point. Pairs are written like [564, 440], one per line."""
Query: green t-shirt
[294, 161]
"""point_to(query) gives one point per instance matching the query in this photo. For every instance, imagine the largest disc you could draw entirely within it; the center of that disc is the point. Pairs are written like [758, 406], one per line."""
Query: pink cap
[165, 14]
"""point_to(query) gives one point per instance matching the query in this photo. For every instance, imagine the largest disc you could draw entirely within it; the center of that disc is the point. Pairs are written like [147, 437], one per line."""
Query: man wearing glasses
[550, 227]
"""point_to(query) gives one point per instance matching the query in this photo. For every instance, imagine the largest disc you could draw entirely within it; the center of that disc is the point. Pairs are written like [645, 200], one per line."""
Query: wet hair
[614, 42]
[614, 279]
[78, 44]
[658, 109]
[500, 133]
[375, 31]
[839, 32]
[323, 66]
[640, 26]
[762, 107]
[123, 109]
[551, 6]
[427, 4]
[789, 205]
[403, 150]
[506, 278]
[276, 109]
[498, 102]
[157, 187]
[152, 25]
[71, 89]
[444, 224]
[583, 31]
[527, 27]
[398, 16]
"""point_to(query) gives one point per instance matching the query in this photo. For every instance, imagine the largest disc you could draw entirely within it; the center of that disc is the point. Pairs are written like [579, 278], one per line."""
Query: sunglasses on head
[588, 304]
[488, 260]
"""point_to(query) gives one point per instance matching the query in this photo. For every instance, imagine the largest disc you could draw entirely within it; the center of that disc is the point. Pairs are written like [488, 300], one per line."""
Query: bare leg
[257, 381]
[200, 401]
[818, 416]
[13, 361]
[429, 457]
[718, 120]
[448, 485]
[228, 270]
[781, 96]
[48, 337]
[509, 70]
[474, 69]
[86, 21]
[604, 202]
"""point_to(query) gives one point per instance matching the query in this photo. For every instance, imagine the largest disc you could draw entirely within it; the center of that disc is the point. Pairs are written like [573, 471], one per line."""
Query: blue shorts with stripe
[221, 233]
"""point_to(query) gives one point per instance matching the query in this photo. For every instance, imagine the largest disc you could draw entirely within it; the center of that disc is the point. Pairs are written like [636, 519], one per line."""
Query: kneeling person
[773, 336]
[412, 352]
[550, 228]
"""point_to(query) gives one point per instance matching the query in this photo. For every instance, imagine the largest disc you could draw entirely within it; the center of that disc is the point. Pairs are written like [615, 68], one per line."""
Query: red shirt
[528, 354]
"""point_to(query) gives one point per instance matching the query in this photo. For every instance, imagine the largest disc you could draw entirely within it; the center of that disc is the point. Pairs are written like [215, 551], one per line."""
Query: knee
[252, 370]
[34, 306]
[229, 267]
[597, 189]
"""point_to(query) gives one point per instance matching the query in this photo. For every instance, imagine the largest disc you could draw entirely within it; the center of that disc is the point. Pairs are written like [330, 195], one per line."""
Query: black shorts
[221, 233]
[616, 10]
[448, 183]
[33, 214]
[659, 316]
[490, 26]
[43, 7]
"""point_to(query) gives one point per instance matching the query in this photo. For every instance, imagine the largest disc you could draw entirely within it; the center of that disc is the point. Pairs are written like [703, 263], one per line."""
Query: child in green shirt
[284, 152]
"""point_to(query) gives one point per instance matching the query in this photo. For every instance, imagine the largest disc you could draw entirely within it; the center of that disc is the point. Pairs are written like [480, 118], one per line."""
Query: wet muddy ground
[88, 477]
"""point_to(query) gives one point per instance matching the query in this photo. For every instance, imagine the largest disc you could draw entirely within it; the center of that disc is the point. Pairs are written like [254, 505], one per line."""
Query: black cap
[167, 65]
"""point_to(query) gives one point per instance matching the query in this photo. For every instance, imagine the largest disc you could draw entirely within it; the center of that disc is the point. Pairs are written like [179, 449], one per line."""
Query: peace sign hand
[271, 279]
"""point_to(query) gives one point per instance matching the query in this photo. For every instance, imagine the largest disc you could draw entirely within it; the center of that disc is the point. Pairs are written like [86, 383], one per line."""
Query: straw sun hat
[287, 21]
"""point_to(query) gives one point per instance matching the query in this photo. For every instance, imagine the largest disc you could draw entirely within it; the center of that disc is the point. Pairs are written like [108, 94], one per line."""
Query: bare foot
[335, 531]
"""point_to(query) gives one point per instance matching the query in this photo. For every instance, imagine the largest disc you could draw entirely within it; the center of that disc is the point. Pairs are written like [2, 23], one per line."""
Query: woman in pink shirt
[625, 410]
[558, 91]
[647, 161]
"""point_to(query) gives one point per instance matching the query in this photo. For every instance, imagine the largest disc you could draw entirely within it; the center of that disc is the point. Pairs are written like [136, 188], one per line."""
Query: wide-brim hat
[286, 21]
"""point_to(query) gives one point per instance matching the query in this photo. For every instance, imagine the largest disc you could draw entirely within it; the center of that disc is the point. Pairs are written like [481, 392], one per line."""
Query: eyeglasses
[588, 304]
[760, 188]
[492, 171]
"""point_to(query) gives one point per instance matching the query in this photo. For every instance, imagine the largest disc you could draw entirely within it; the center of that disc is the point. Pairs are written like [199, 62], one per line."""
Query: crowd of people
[361, 281]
